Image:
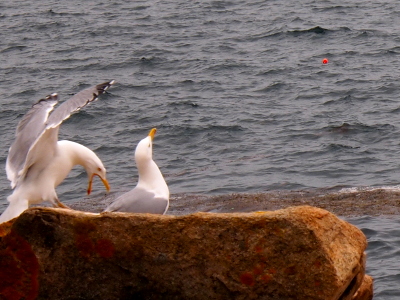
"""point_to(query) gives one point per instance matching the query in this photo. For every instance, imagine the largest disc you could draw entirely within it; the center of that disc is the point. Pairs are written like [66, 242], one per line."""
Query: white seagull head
[144, 150]
[94, 167]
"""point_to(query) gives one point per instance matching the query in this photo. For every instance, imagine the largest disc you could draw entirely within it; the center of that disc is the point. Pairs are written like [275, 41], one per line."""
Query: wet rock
[365, 291]
[296, 253]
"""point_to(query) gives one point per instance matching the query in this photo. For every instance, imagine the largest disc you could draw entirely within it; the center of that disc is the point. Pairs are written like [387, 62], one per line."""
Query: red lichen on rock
[19, 269]
[258, 249]
[105, 248]
[247, 279]
[272, 271]
[85, 245]
[290, 270]
[5, 227]
[257, 270]
[317, 264]
[266, 278]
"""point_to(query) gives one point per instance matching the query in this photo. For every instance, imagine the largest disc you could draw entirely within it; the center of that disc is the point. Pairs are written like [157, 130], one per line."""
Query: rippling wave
[237, 90]
[384, 248]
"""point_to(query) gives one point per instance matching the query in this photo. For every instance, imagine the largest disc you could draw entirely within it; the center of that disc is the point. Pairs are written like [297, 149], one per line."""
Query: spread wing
[37, 133]
[74, 104]
[28, 130]
[139, 200]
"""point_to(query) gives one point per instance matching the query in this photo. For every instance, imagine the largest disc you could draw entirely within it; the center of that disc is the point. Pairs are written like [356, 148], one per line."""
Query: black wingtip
[102, 87]
[52, 97]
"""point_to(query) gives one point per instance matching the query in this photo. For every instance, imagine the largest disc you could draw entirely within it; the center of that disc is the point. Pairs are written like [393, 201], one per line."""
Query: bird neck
[150, 177]
[75, 154]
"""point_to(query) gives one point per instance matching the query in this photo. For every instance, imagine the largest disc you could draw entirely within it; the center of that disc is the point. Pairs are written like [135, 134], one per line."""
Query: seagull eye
[99, 169]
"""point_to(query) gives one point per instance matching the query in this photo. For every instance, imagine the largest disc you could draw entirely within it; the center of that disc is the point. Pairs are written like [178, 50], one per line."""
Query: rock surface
[365, 291]
[296, 253]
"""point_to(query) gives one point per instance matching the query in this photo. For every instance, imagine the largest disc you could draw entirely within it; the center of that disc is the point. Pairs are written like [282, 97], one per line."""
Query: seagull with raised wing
[151, 194]
[37, 162]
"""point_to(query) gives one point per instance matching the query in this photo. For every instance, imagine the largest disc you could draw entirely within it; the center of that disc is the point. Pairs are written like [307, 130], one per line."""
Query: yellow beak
[152, 133]
[105, 182]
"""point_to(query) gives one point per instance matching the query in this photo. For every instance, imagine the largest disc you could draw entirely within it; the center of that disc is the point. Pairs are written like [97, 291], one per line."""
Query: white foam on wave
[368, 188]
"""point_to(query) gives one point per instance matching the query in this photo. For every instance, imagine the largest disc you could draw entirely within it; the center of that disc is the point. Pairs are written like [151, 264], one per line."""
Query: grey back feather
[139, 200]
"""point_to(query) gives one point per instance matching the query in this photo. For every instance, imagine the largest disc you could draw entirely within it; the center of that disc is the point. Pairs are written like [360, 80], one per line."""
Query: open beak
[105, 182]
[152, 133]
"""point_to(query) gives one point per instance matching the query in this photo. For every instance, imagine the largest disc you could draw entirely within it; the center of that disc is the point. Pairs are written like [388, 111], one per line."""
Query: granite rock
[295, 253]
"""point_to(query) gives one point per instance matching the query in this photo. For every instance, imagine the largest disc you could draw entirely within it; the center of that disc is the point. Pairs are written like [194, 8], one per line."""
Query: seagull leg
[59, 204]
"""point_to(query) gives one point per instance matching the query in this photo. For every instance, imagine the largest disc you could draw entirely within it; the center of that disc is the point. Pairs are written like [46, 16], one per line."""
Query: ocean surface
[237, 90]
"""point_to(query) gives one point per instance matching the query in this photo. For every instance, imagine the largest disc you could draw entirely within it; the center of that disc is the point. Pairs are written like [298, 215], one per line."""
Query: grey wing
[29, 129]
[139, 201]
[37, 133]
[78, 101]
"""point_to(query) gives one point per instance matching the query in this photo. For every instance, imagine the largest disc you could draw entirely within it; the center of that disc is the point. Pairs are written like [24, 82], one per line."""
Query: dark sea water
[236, 89]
